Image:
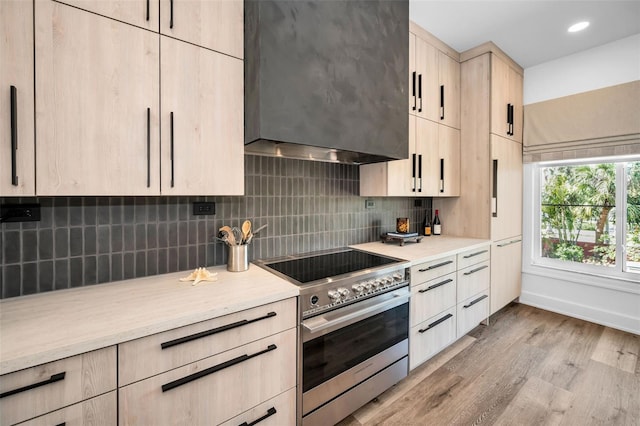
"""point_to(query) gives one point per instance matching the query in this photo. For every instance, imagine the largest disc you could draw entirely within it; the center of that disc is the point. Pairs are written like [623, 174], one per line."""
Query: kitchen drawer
[431, 336]
[99, 411]
[472, 311]
[432, 297]
[471, 257]
[44, 388]
[145, 357]
[278, 411]
[214, 389]
[433, 269]
[473, 279]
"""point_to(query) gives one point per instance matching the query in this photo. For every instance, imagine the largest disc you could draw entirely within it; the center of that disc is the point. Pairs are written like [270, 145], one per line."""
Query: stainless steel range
[354, 316]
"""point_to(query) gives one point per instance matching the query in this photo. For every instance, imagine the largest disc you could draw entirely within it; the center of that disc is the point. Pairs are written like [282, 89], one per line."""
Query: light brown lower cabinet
[506, 270]
[472, 311]
[99, 411]
[215, 389]
[431, 336]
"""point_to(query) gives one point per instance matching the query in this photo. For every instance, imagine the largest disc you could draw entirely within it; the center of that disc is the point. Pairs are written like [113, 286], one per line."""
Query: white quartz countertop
[48, 326]
[430, 248]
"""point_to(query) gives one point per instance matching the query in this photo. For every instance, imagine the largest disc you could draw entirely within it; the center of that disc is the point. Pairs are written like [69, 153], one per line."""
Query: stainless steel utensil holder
[238, 260]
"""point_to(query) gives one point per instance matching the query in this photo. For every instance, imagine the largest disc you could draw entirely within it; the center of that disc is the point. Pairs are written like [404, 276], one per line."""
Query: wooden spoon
[246, 230]
[231, 239]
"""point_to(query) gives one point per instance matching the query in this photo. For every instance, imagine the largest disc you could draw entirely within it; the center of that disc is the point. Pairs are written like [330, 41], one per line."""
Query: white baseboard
[587, 313]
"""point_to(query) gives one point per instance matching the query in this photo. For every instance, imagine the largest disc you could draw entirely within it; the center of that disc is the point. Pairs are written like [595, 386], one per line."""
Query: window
[588, 216]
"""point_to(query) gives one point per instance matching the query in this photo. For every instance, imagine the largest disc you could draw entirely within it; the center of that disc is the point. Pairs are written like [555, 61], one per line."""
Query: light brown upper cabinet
[217, 25]
[449, 85]
[97, 104]
[506, 100]
[98, 110]
[16, 99]
[141, 13]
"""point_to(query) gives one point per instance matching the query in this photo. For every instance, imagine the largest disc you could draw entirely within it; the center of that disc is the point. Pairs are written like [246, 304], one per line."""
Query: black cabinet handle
[494, 190]
[437, 265]
[431, 287]
[216, 330]
[415, 102]
[62, 424]
[442, 102]
[420, 172]
[148, 147]
[171, 14]
[420, 91]
[474, 254]
[442, 175]
[147, 10]
[270, 412]
[473, 271]
[512, 119]
[435, 323]
[413, 173]
[214, 369]
[473, 302]
[14, 135]
[55, 378]
[508, 118]
[172, 162]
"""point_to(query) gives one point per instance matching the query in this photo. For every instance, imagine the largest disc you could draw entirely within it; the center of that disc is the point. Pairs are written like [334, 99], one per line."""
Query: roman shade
[597, 123]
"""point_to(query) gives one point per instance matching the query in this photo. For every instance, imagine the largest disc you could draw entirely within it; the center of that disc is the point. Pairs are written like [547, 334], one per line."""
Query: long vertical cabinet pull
[171, 14]
[413, 173]
[442, 175]
[147, 10]
[442, 102]
[420, 91]
[494, 190]
[415, 98]
[420, 172]
[511, 121]
[172, 162]
[148, 147]
[14, 135]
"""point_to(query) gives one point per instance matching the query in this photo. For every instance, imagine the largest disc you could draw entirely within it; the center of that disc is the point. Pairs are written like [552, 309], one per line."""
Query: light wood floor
[530, 367]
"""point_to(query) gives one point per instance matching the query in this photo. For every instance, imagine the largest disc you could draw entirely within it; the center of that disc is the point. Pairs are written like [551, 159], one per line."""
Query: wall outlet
[20, 213]
[204, 208]
[369, 204]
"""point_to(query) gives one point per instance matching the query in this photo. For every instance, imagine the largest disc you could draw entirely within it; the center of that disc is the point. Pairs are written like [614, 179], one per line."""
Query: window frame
[537, 260]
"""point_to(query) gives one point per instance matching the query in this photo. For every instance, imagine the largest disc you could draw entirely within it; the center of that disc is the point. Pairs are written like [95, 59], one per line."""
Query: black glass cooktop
[312, 268]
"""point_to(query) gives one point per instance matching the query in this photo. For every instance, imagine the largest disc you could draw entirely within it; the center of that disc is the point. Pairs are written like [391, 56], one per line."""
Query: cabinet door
[506, 187]
[217, 25]
[97, 104]
[427, 84]
[449, 86]
[427, 157]
[506, 272]
[16, 99]
[448, 162]
[499, 97]
[430, 337]
[515, 97]
[142, 13]
[202, 121]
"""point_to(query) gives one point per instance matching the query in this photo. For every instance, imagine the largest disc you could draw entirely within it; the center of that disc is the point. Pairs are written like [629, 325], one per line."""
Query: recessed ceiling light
[578, 27]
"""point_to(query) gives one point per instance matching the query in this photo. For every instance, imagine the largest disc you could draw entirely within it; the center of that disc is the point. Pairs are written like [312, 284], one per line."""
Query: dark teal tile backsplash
[90, 240]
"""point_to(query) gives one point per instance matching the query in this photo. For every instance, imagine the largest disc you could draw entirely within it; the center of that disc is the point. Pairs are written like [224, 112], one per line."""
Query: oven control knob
[334, 296]
[344, 293]
[397, 277]
[358, 289]
[368, 286]
[377, 284]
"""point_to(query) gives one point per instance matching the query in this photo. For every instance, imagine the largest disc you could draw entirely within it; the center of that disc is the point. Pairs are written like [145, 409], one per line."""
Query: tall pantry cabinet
[139, 98]
[490, 202]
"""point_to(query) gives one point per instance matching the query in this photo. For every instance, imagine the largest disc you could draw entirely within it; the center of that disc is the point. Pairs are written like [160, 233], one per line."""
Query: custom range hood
[327, 80]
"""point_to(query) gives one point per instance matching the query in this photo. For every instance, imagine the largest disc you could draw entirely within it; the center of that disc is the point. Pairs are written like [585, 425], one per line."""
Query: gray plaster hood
[327, 80]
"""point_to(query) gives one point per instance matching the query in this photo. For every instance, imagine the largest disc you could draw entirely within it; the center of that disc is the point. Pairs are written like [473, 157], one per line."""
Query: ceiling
[530, 32]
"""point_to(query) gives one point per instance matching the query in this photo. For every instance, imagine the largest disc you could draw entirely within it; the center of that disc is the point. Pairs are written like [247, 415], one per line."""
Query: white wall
[610, 302]
[607, 65]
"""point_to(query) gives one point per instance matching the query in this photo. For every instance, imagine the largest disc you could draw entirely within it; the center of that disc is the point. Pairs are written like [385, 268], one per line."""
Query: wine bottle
[427, 225]
[437, 227]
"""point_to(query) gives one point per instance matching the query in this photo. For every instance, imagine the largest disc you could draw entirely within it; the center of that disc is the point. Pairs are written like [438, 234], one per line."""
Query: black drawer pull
[270, 412]
[171, 13]
[14, 135]
[473, 271]
[52, 379]
[431, 287]
[147, 10]
[214, 369]
[216, 330]
[435, 266]
[62, 424]
[433, 324]
[474, 254]
[473, 302]
[148, 147]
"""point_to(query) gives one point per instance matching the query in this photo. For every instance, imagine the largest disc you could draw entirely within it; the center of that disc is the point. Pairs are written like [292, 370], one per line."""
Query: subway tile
[90, 270]
[128, 210]
[193, 232]
[183, 233]
[45, 244]
[61, 270]
[116, 239]
[140, 210]
[172, 257]
[141, 264]
[183, 259]
[60, 212]
[61, 242]
[46, 213]
[193, 257]
[128, 238]
[76, 272]
[90, 240]
[128, 266]
[116, 208]
[104, 268]
[103, 211]
[172, 234]
[152, 262]
[141, 236]
[45, 276]
[152, 209]
[11, 281]
[162, 261]
[11, 246]
[116, 267]
[29, 246]
[90, 211]
[76, 241]
[162, 236]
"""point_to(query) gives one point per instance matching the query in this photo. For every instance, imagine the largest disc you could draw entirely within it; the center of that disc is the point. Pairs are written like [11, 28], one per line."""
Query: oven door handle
[322, 325]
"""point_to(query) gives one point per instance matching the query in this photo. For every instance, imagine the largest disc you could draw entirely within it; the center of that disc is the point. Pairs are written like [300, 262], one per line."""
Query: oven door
[344, 347]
